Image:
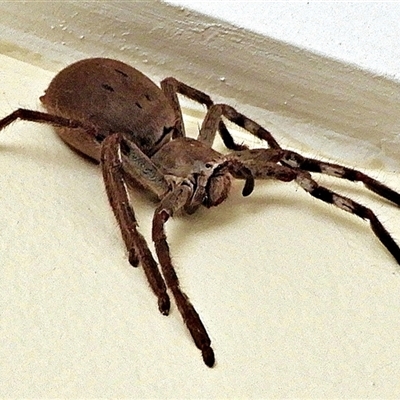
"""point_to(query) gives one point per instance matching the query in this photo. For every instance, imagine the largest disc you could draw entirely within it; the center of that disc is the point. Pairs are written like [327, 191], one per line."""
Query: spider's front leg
[344, 203]
[114, 148]
[260, 164]
[290, 158]
[174, 201]
[263, 165]
[296, 160]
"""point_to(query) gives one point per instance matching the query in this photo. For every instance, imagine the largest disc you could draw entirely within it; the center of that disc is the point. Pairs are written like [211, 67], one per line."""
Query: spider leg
[141, 170]
[291, 158]
[171, 203]
[41, 117]
[113, 173]
[113, 177]
[298, 161]
[263, 165]
[171, 86]
[213, 116]
[306, 182]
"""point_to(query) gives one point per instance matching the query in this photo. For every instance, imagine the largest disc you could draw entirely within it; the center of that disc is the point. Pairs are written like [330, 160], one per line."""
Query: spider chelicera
[118, 117]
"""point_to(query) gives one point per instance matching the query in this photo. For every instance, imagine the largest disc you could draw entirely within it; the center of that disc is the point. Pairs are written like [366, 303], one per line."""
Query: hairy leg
[211, 121]
[172, 86]
[339, 171]
[171, 203]
[344, 203]
[44, 118]
[112, 167]
[290, 158]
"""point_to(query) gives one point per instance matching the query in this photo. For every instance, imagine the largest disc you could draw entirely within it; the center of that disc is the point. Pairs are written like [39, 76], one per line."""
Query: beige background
[299, 298]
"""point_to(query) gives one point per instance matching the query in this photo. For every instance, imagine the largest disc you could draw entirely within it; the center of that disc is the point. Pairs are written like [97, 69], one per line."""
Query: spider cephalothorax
[208, 173]
[114, 114]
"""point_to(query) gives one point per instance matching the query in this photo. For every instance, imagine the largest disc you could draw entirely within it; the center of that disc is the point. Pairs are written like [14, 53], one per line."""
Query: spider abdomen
[111, 97]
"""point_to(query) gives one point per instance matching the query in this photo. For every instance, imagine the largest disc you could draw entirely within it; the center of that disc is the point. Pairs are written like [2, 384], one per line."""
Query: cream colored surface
[299, 298]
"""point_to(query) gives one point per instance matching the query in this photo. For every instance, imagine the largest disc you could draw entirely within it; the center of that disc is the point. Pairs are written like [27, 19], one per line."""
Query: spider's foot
[164, 304]
[208, 356]
[133, 260]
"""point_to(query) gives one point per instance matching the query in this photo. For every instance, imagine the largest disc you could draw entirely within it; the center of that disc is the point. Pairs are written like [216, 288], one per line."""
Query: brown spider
[115, 115]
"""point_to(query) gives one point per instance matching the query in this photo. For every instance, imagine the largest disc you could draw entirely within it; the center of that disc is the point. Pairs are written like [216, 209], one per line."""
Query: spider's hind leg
[24, 114]
[295, 160]
[328, 196]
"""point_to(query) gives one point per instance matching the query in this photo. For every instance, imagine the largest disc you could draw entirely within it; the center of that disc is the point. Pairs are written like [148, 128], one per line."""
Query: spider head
[208, 173]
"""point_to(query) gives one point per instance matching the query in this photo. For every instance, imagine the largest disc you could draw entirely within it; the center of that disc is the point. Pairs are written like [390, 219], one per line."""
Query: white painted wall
[361, 33]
